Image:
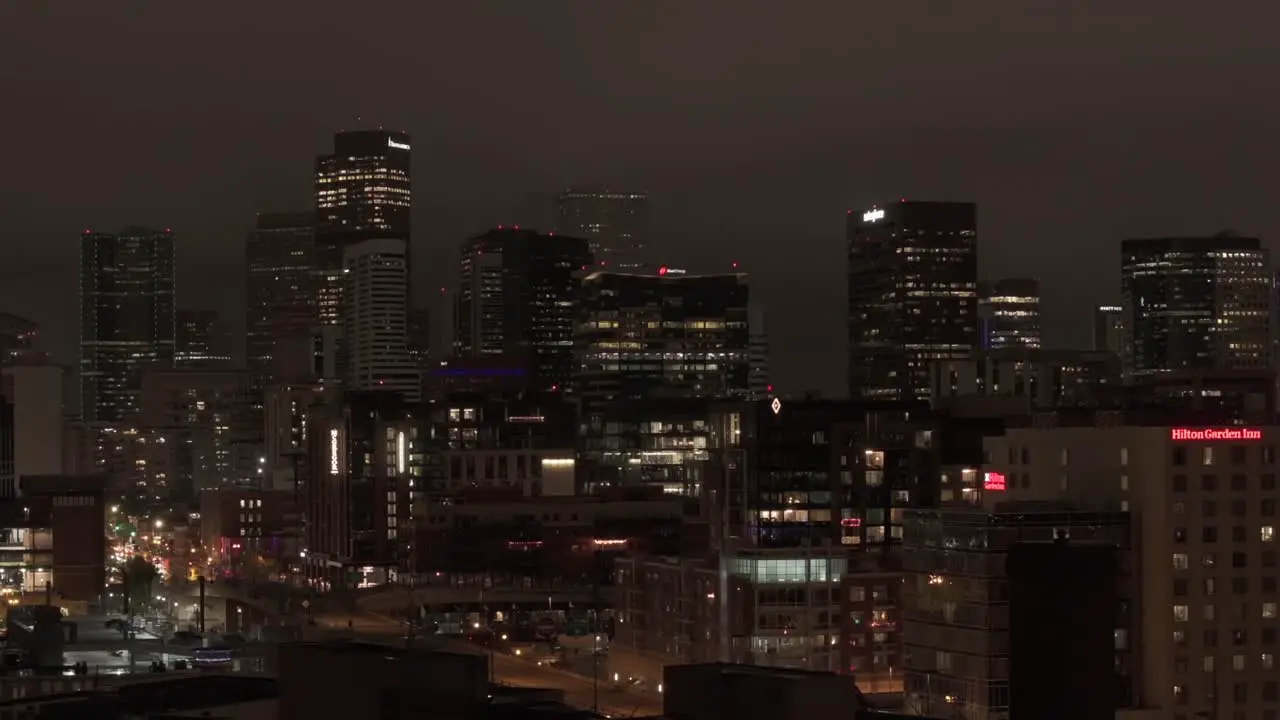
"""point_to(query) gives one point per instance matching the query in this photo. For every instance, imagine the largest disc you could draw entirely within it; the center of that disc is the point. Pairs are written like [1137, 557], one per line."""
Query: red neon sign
[994, 481]
[851, 522]
[1215, 434]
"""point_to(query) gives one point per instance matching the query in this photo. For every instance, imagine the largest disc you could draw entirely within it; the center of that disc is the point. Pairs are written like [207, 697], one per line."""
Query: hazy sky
[754, 124]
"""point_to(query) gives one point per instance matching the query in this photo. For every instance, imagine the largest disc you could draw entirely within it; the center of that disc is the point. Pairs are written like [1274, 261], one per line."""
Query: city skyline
[717, 188]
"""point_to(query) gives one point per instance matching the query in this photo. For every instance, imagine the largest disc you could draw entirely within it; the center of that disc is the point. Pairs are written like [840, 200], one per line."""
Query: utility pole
[128, 617]
[201, 607]
[595, 632]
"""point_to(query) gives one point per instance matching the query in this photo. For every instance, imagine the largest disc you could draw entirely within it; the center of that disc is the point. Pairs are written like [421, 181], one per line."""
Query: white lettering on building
[333, 451]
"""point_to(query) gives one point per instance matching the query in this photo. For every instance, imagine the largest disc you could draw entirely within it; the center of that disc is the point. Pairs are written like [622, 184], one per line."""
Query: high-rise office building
[280, 288]
[1009, 313]
[363, 192]
[126, 317]
[419, 336]
[760, 382]
[615, 224]
[35, 393]
[17, 338]
[517, 297]
[375, 318]
[665, 335]
[1196, 304]
[913, 294]
[1108, 328]
[200, 339]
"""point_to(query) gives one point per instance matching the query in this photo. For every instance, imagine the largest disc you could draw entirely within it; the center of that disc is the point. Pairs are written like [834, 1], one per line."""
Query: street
[515, 671]
[578, 691]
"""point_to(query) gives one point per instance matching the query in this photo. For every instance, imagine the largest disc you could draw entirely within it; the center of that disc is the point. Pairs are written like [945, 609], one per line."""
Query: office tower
[1108, 328]
[363, 192]
[280, 287]
[200, 338]
[419, 336]
[375, 318]
[17, 338]
[913, 270]
[206, 428]
[126, 317]
[35, 395]
[667, 335]
[1009, 313]
[615, 224]
[1196, 304]
[759, 381]
[517, 298]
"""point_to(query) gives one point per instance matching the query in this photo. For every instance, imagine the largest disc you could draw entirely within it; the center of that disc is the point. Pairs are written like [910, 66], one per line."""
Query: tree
[139, 578]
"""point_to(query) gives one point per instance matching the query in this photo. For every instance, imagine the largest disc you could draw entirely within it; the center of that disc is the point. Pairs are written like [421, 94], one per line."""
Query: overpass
[394, 597]
[274, 599]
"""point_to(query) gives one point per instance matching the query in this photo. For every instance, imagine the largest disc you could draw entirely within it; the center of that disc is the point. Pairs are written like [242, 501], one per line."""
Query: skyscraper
[668, 335]
[200, 339]
[17, 338]
[126, 317]
[517, 297]
[1009, 313]
[614, 224]
[1196, 304]
[375, 318]
[280, 286]
[760, 382]
[913, 296]
[1108, 328]
[363, 192]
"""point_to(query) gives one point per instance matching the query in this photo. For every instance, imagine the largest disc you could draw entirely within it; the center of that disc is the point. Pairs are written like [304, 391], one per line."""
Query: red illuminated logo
[994, 481]
[1215, 434]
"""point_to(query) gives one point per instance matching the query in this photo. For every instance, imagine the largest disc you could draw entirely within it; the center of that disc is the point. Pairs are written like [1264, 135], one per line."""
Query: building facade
[1108, 328]
[280, 288]
[1196, 304]
[615, 224]
[201, 339]
[665, 335]
[127, 317]
[363, 192]
[1203, 506]
[517, 298]
[375, 319]
[1009, 313]
[912, 292]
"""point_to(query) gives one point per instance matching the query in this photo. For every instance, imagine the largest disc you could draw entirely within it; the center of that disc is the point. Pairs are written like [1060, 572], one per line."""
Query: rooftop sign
[873, 215]
[1193, 434]
[995, 481]
[397, 145]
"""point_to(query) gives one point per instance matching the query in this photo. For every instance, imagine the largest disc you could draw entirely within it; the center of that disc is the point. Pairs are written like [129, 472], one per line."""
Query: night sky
[754, 124]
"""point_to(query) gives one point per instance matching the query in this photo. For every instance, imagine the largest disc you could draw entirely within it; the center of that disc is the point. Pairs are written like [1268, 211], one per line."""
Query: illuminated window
[1208, 612]
[1207, 663]
[1124, 456]
[1180, 561]
[1180, 613]
[1268, 661]
[1237, 662]
[1269, 610]
[1268, 533]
